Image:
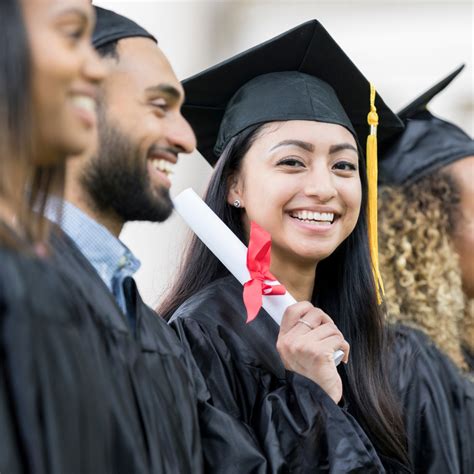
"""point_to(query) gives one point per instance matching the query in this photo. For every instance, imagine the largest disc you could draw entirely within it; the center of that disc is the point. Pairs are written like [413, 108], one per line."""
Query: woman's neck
[297, 276]
[7, 214]
[11, 235]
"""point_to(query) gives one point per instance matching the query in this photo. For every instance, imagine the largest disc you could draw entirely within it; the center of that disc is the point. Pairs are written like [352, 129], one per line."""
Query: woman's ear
[234, 193]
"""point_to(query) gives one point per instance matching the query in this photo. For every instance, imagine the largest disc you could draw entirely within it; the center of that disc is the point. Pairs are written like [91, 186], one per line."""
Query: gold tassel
[372, 172]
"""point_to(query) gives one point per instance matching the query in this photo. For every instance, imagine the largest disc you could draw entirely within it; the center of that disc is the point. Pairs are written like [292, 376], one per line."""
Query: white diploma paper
[225, 245]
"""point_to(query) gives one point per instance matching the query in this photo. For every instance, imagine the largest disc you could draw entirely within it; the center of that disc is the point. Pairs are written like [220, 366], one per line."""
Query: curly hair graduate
[420, 209]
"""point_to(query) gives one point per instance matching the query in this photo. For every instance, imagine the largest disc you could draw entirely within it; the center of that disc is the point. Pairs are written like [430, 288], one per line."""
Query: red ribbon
[258, 264]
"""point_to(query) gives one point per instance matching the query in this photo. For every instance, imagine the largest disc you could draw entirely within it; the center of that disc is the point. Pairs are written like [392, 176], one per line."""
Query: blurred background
[402, 46]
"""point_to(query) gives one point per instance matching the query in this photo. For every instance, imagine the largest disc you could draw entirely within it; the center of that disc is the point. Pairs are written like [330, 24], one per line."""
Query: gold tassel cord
[372, 177]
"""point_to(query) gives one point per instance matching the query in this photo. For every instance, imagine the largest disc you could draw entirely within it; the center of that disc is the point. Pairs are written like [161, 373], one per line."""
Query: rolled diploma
[232, 253]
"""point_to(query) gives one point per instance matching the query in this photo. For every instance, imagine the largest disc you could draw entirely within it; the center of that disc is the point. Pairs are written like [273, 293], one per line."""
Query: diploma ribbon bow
[261, 282]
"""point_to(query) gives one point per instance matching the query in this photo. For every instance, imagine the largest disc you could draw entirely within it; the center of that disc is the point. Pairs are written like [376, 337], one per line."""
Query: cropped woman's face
[300, 182]
[463, 233]
[66, 75]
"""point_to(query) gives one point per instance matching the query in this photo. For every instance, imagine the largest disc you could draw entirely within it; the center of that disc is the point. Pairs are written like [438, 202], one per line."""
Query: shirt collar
[107, 254]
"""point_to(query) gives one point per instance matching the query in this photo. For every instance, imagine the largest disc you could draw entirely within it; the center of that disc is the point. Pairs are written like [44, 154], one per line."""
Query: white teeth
[163, 166]
[313, 216]
[84, 102]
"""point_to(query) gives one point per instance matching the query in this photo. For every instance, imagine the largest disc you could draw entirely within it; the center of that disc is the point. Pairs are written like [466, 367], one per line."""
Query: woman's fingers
[323, 331]
[312, 354]
[302, 317]
[323, 345]
[292, 314]
[337, 342]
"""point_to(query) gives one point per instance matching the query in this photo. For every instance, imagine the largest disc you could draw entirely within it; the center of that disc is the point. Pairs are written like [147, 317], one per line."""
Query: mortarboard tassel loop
[373, 120]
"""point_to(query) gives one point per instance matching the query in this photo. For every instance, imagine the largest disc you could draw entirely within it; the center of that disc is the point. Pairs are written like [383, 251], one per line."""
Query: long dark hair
[344, 288]
[24, 185]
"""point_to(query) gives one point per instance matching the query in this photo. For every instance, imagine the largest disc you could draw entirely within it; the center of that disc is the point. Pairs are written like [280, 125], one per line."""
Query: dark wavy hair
[24, 185]
[344, 288]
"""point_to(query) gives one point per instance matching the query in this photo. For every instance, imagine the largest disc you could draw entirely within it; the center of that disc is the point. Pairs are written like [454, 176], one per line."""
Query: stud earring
[236, 203]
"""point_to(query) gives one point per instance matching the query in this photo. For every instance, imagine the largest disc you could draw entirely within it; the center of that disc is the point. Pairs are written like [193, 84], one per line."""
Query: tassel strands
[372, 177]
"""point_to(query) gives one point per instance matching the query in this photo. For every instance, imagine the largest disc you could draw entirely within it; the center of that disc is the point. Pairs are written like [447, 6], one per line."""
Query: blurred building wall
[402, 46]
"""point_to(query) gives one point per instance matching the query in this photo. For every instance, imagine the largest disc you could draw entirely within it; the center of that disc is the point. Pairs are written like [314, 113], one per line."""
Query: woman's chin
[308, 257]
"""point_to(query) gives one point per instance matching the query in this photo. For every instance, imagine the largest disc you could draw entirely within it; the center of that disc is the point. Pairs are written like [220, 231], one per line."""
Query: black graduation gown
[438, 404]
[469, 358]
[154, 405]
[297, 426]
[171, 407]
[54, 415]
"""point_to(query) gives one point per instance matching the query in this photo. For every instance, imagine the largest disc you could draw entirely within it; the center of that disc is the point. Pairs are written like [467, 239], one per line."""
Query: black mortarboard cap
[111, 27]
[299, 75]
[427, 144]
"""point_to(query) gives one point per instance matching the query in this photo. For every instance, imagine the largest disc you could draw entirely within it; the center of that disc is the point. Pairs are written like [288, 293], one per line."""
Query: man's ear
[234, 193]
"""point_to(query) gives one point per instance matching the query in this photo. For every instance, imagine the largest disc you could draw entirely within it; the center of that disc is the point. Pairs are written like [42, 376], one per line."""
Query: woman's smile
[319, 222]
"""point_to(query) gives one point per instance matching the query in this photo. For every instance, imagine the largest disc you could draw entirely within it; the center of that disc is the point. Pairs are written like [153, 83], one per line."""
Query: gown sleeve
[290, 421]
[51, 413]
[10, 449]
[228, 445]
[438, 405]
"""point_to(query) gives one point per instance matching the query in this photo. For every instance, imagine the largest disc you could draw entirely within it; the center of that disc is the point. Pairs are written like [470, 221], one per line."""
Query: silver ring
[302, 321]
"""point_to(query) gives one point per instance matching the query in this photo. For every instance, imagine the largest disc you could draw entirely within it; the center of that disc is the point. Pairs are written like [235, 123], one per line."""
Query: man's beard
[116, 179]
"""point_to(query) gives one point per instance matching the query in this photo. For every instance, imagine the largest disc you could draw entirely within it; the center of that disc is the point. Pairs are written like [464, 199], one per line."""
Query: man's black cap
[111, 26]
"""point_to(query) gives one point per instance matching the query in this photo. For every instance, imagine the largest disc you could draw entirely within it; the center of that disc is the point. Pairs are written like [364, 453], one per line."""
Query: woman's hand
[307, 341]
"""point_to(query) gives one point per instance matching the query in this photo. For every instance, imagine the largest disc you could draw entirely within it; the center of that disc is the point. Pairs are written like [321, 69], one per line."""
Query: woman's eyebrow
[73, 11]
[298, 143]
[341, 147]
[310, 147]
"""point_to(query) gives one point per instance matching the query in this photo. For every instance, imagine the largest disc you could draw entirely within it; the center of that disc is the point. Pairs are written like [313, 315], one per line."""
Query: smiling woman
[65, 83]
[286, 131]
[51, 397]
[48, 92]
